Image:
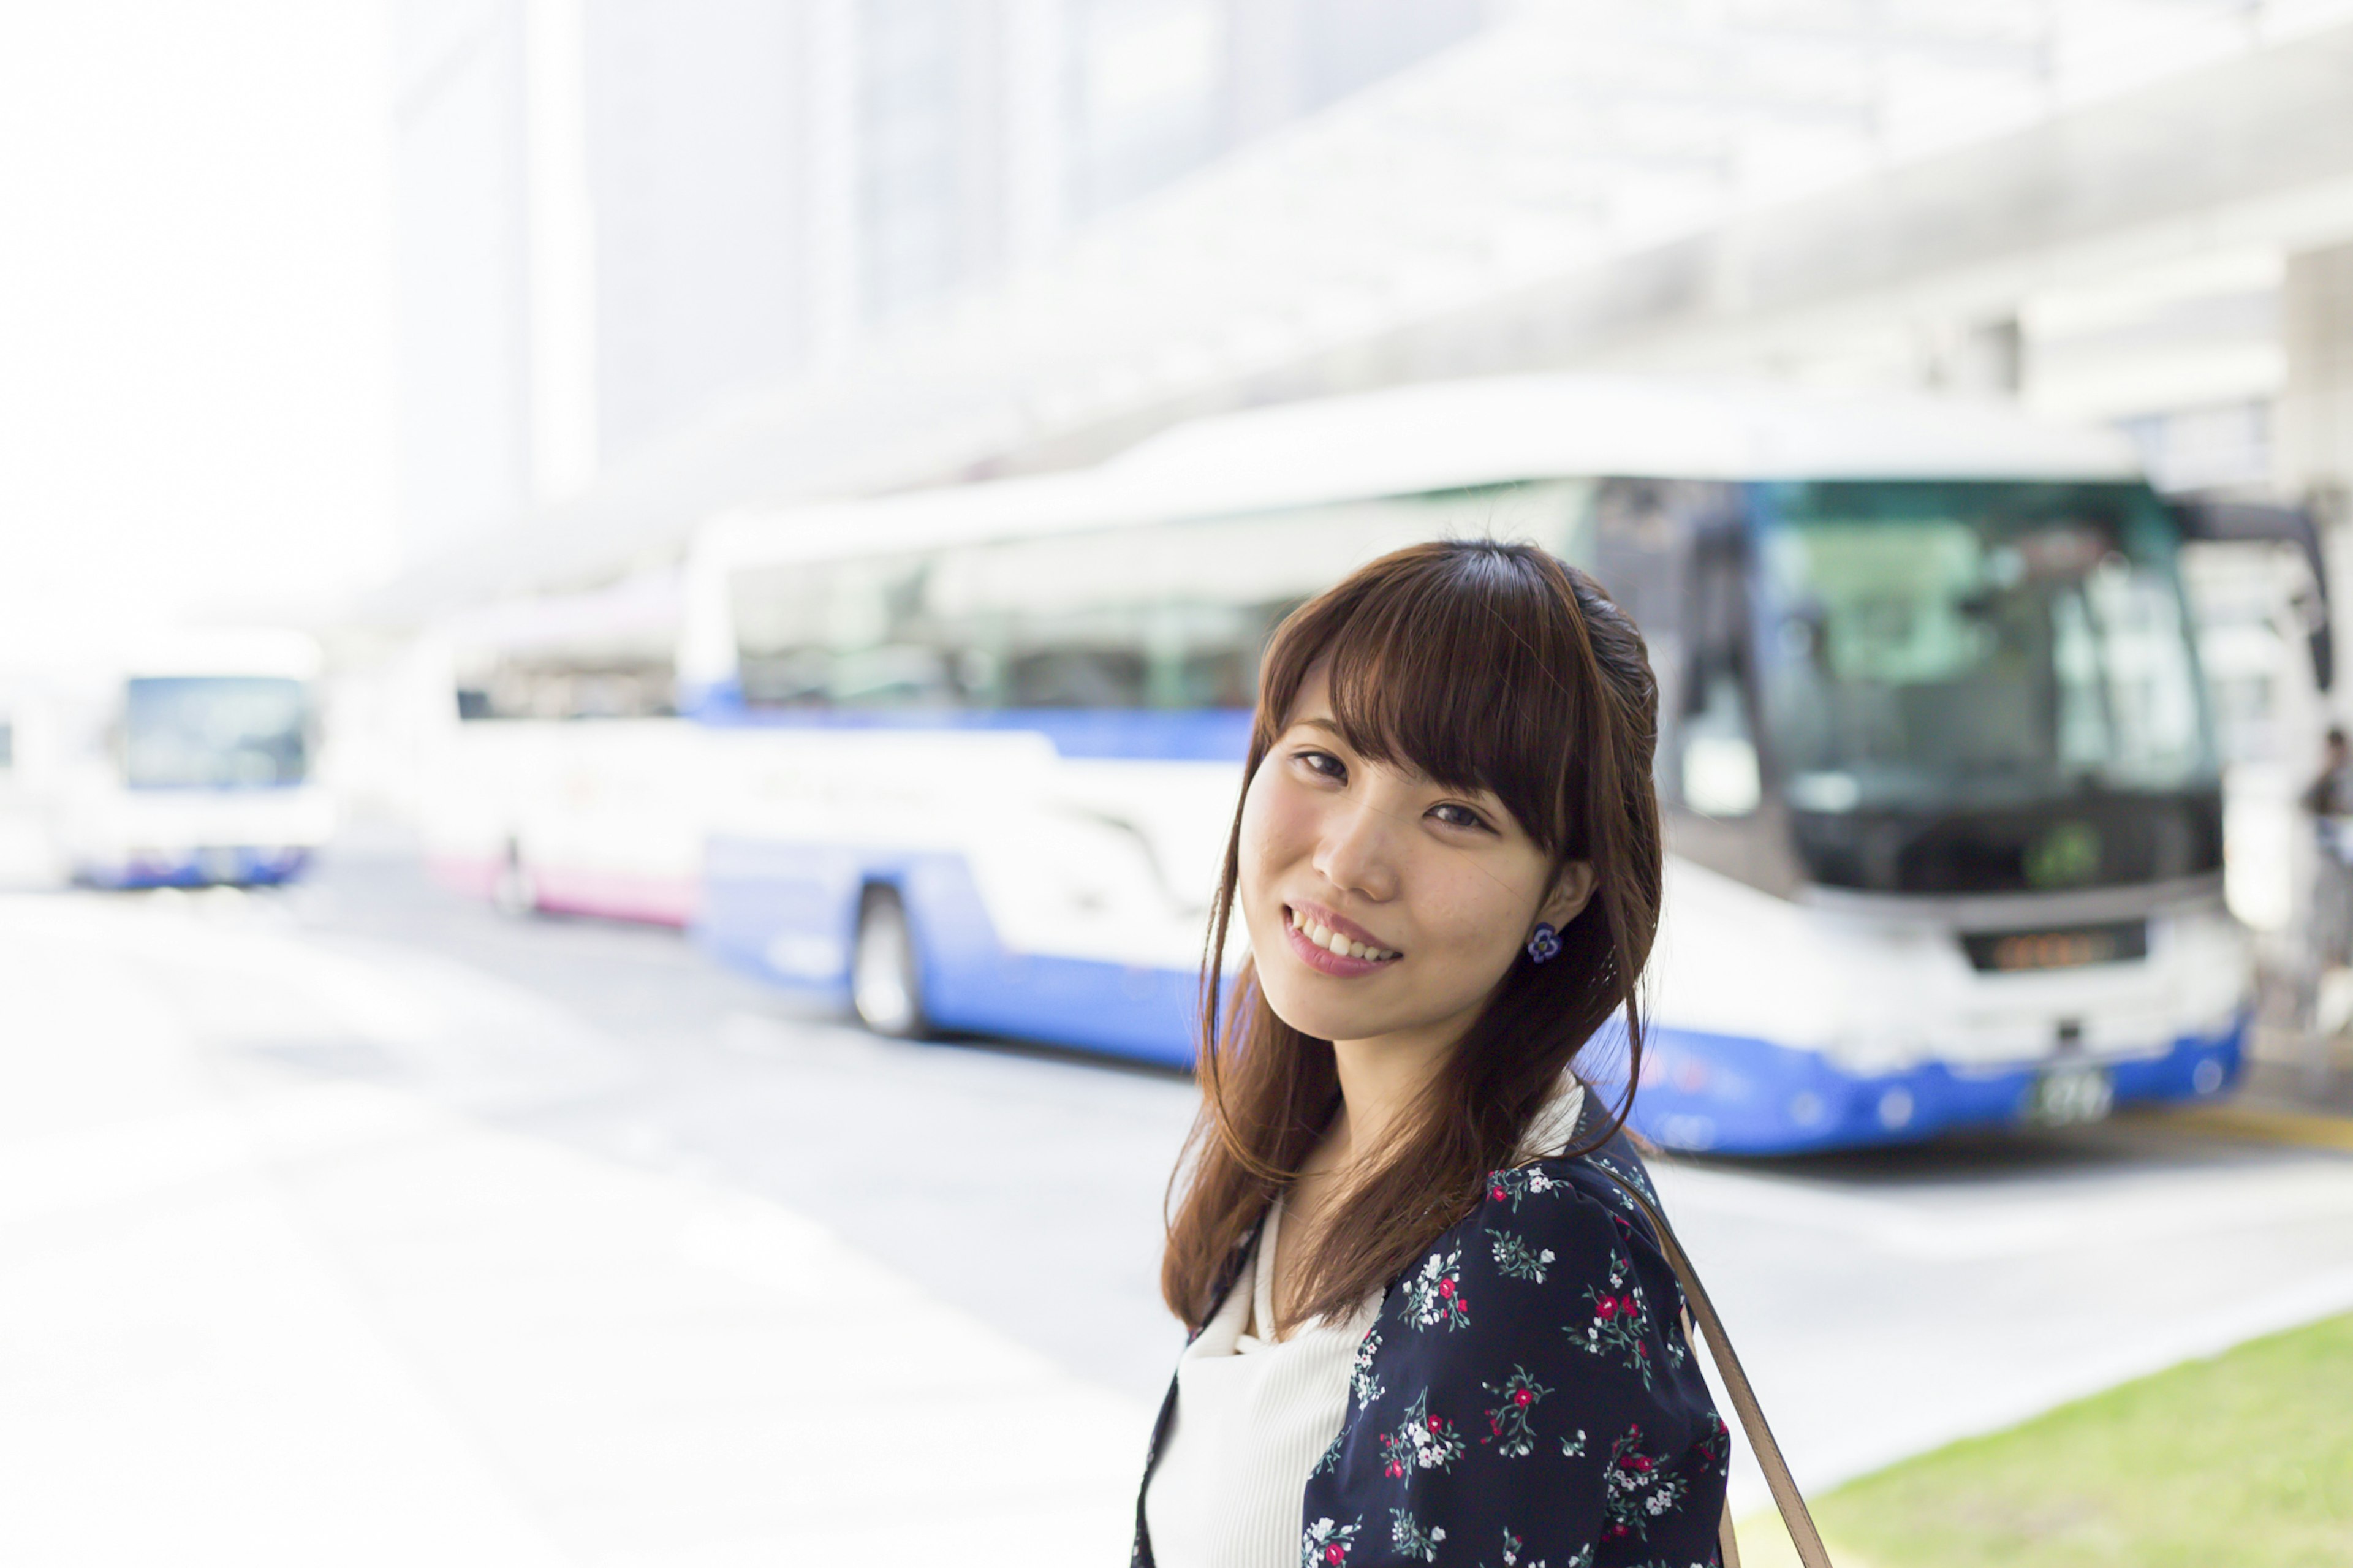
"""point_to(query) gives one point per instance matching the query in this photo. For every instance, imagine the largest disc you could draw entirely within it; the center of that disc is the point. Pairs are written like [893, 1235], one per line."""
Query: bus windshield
[238, 732]
[1930, 647]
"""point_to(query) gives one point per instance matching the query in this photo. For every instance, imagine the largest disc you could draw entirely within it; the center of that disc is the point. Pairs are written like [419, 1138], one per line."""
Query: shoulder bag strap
[1800, 1524]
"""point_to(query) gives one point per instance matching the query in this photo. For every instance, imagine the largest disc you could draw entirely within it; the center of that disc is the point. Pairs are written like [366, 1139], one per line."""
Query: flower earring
[1545, 946]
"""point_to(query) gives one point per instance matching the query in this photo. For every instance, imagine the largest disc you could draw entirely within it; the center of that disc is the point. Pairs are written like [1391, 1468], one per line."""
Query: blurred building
[658, 259]
[615, 214]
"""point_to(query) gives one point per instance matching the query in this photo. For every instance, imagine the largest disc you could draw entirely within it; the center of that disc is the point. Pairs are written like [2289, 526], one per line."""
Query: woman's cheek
[1479, 924]
[1261, 859]
[1274, 819]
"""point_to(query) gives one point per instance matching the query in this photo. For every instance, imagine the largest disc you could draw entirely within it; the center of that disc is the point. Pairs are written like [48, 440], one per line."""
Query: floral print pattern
[1515, 1556]
[1421, 1442]
[1435, 1296]
[1510, 1422]
[1621, 1324]
[1549, 1312]
[1416, 1543]
[1516, 1259]
[1639, 1490]
[1511, 1186]
[1364, 1383]
[1324, 1544]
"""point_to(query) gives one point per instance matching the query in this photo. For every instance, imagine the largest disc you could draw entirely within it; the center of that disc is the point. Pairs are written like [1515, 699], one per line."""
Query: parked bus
[1942, 787]
[561, 779]
[192, 765]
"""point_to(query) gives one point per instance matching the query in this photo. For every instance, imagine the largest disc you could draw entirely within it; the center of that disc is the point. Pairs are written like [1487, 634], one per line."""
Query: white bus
[559, 778]
[1945, 816]
[192, 765]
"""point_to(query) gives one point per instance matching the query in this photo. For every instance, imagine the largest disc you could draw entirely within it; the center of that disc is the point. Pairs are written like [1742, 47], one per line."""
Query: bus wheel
[886, 977]
[514, 891]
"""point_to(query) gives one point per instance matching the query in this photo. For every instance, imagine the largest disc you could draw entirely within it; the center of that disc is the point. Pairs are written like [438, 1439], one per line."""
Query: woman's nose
[1355, 853]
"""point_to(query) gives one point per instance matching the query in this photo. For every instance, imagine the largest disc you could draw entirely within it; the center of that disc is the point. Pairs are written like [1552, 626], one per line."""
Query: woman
[1428, 1326]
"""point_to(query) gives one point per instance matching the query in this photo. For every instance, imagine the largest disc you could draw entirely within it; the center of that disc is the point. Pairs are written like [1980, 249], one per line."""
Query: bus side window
[1170, 615]
[1718, 773]
[1669, 554]
[1075, 675]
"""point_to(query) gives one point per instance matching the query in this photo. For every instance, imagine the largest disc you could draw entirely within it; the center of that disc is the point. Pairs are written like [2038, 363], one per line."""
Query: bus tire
[886, 972]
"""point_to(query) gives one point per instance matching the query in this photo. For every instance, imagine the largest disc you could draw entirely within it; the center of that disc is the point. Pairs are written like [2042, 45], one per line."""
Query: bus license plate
[2064, 1096]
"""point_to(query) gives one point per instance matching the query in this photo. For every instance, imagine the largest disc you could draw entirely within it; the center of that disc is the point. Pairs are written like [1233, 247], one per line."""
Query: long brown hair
[1485, 666]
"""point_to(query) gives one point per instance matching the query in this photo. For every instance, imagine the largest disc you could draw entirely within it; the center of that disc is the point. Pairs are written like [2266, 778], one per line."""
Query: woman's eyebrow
[1329, 726]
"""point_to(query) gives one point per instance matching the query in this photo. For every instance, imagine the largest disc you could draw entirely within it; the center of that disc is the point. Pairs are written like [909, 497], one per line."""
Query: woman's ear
[1572, 890]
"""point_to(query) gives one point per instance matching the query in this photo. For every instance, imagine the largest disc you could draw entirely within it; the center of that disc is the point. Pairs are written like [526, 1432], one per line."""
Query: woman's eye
[1325, 762]
[1458, 815]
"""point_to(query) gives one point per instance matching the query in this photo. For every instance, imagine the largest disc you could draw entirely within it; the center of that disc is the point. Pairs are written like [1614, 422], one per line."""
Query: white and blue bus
[1945, 813]
[194, 766]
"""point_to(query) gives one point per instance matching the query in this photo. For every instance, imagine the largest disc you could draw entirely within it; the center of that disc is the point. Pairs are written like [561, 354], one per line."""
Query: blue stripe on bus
[1199, 734]
[1745, 1096]
[243, 867]
[789, 913]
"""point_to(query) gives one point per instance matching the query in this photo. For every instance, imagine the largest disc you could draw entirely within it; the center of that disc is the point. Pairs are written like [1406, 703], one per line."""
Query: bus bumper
[243, 866]
[1750, 1097]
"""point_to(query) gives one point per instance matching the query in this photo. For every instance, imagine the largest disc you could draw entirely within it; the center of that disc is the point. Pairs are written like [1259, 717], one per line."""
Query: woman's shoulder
[1565, 1227]
[1586, 1198]
[1527, 1379]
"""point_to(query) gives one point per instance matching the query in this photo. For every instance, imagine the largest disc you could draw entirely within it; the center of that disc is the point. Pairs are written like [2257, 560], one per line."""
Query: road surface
[356, 1223]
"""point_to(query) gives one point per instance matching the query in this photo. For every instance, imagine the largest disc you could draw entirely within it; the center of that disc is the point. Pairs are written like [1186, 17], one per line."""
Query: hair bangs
[1450, 672]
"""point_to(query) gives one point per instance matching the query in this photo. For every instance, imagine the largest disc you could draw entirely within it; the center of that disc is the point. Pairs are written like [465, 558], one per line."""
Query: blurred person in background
[2329, 799]
[1422, 1308]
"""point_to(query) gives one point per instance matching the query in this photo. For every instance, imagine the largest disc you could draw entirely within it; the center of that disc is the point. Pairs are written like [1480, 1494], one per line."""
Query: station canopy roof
[1570, 136]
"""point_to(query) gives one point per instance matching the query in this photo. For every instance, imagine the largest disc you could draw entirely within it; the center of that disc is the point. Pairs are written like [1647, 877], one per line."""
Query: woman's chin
[1301, 1000]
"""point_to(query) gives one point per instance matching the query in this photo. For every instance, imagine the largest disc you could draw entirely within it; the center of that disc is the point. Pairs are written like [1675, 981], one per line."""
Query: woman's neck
[1379, 1081]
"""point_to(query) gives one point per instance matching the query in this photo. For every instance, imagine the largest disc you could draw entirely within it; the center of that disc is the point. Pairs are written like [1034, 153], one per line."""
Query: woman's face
[1429, 892]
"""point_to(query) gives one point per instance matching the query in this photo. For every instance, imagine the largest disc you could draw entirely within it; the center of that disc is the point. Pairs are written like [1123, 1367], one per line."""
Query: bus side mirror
[2251, 523]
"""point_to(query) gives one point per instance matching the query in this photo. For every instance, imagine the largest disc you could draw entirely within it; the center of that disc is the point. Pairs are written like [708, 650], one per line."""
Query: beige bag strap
[1800, 1524]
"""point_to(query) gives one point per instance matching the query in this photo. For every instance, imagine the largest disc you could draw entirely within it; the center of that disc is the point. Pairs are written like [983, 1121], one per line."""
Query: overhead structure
[1733, 184]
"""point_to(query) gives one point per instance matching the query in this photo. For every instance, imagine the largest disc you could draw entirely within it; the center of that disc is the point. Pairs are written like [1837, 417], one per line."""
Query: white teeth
[1331, 940]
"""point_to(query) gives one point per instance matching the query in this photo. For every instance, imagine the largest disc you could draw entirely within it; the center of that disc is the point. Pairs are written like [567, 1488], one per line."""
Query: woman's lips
[1298, 925]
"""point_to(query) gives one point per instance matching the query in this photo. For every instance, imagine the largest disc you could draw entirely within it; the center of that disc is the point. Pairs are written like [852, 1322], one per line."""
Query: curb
[2257, 1124]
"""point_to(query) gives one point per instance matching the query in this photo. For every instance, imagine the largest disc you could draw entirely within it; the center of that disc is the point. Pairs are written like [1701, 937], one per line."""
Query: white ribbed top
[1253, 1415]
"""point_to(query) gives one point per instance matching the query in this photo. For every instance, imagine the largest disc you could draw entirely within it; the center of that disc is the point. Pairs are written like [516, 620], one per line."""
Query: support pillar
[2315, 439]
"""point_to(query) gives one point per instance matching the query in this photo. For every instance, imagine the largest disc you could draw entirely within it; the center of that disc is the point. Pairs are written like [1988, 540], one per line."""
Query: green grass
[2246, 1458]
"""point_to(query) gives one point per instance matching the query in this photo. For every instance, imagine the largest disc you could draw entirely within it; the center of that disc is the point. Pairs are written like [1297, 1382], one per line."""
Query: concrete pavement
[257, 1313]
[361, 1226]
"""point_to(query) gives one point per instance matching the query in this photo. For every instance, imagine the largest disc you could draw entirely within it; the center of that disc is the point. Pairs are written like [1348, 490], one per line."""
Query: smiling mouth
[1332, 942]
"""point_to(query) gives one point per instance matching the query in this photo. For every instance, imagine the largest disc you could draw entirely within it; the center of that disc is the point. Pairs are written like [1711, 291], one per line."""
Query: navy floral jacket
[1525, 1399]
